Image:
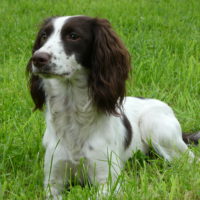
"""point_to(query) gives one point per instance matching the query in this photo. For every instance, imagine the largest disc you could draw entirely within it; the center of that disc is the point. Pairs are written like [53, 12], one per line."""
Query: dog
[78, 71]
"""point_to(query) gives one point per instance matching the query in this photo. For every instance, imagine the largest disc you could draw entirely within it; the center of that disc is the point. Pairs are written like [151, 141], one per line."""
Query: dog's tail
[192, 138]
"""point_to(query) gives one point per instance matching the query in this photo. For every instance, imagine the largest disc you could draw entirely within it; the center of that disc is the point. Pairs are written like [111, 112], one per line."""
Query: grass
[163, 37]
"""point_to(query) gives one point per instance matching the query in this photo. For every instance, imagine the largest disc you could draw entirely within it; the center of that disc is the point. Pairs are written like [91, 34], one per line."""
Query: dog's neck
[70, 98]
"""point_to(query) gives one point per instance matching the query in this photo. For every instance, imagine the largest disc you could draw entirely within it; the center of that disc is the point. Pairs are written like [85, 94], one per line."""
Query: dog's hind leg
[160, 128]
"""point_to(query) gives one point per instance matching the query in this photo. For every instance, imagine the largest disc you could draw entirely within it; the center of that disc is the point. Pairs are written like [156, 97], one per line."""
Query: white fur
[76, 131]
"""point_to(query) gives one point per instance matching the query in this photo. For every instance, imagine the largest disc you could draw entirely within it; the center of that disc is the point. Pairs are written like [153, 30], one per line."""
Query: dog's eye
[43, 37]
[73, 36]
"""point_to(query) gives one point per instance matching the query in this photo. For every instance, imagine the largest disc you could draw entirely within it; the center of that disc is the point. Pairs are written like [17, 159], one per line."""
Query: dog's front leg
[55, 169]
[104, 172]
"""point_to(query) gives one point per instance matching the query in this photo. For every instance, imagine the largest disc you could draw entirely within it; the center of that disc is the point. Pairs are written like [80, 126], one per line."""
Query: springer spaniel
[78, 70]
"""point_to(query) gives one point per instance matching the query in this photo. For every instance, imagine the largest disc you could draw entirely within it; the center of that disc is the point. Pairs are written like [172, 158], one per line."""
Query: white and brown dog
[78, 69]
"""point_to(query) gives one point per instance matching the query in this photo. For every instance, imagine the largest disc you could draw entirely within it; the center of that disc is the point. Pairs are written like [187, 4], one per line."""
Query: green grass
[163, 37]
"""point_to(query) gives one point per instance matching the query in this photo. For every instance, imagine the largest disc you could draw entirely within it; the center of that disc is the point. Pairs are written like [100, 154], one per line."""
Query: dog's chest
[71, 126]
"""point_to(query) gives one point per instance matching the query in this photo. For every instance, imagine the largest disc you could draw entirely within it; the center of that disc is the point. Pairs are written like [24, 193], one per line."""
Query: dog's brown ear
[109, 68]
[35, 86]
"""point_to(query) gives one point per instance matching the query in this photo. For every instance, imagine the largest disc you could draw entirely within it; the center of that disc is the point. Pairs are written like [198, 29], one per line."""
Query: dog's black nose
[40, 59]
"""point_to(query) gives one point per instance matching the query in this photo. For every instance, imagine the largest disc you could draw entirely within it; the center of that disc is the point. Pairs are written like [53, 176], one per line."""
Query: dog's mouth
[46, 73]
[52, 74]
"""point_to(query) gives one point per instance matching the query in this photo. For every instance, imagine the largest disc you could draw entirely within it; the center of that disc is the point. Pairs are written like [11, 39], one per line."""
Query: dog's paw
[53, 194]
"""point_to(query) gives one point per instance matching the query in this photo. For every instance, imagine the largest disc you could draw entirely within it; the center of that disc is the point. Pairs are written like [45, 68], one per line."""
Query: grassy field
[163, 37]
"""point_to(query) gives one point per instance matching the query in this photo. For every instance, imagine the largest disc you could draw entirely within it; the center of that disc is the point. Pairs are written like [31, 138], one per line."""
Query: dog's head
[66, 45]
